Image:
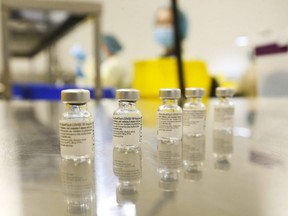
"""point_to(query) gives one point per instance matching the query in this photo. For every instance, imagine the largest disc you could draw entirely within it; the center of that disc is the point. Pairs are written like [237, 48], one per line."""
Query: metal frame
[180, 69]
[90, 9]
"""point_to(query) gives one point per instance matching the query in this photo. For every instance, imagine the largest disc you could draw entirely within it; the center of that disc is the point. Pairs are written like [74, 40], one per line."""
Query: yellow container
[223, 82]
[151, 75]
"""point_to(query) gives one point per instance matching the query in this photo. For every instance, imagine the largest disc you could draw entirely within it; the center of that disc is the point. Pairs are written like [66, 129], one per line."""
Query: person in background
[114, 74]
[79, 55]
[164, 30]
[164, 35]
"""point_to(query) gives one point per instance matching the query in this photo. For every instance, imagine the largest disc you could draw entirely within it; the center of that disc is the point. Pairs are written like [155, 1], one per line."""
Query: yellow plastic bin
[151, 75]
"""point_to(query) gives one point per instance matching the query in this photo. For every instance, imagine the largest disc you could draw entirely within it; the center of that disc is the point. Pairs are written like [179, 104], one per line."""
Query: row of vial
[172, 121]
[77, 125]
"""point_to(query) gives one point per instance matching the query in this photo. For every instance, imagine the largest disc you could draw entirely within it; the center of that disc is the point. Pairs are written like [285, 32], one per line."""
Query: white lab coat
[114, 74]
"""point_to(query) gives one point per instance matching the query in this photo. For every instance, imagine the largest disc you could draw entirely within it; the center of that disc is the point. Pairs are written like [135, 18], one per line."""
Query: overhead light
[242, 41]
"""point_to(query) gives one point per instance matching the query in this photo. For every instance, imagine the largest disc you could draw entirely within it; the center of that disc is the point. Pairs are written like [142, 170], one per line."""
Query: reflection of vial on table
[222, 164]
[222, 144]
[169, 181]
[76, 126]
[127, 167]
[78, 187]
[127, 121]
[194, 113]
[193, 157]
[169, 135]
[169, 164]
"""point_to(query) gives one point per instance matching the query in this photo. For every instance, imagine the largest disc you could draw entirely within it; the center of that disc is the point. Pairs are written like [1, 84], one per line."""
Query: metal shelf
[25, 36]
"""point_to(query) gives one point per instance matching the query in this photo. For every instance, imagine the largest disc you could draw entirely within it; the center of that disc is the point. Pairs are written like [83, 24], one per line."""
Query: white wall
[214, 25]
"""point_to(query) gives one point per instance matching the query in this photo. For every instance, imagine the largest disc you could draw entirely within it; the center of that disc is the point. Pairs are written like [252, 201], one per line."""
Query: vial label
[76, 138]
[193, 121]
[224, 115]
[127, 165]
[169, 156]
[127, 131]
[169, 125]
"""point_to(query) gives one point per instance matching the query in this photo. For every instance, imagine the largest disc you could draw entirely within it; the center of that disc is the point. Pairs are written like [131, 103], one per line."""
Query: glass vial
[76, 126]
[223, 128]
[169, 133]
[194, 113]
[224, 110]
[127, 121]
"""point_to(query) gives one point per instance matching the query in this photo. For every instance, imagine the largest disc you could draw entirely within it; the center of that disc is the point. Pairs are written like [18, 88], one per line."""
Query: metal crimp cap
[194, 92]
[224, 92]
[127, 94]
[170, 93]
[75, 96]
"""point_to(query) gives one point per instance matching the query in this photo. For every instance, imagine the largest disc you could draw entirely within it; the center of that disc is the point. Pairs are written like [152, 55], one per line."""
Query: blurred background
[108, 44]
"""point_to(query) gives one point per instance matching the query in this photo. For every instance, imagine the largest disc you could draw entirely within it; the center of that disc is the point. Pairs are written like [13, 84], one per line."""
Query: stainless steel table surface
[35, 181]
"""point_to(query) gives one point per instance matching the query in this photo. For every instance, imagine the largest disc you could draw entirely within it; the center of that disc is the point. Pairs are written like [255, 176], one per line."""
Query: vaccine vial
[169, 132]
[127, 121]
[76, 126]
[224, 110]
[169, 116]
[194, 113]
[223, 128]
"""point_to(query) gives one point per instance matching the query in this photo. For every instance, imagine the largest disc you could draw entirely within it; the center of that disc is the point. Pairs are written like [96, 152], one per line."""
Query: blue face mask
[164, 35]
